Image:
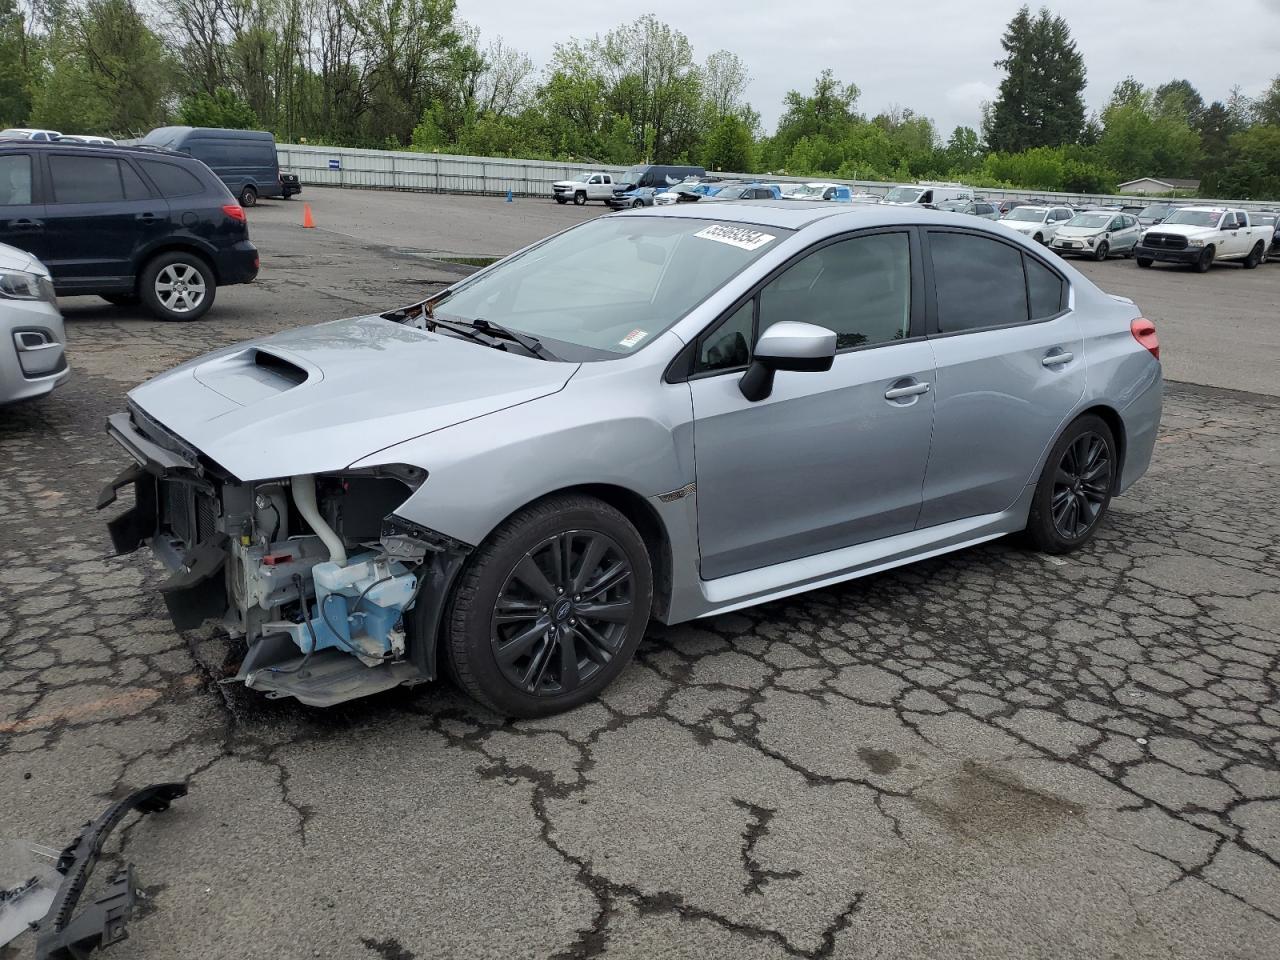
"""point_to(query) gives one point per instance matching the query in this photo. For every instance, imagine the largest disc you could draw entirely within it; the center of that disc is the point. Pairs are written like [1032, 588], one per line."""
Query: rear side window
[979, 282]
[85, 179]
[171, 179]
[134, 188]
[1045, 289]
[15, 179]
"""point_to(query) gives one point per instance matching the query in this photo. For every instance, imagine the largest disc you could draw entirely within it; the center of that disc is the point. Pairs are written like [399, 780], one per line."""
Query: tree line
[411, 74]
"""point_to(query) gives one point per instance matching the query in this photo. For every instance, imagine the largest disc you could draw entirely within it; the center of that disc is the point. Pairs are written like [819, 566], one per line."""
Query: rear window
[171, 179]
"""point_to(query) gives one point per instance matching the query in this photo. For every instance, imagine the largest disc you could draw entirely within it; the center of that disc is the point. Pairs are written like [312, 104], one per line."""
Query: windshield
[808, 190]
[1196, 218]
[903, 195]
[1154, 211]
[1028, 214]
[162, 136]
[609, 286]
[632, 175]
[1095, 221]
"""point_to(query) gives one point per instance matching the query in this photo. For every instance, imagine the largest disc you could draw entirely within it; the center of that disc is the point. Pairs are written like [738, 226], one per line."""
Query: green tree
[1180, 100]
[1041, 98]
[828, 112]
[15, 99]
[109, 72]
[729, 146]
[222, 108]
[1267, 107]
[1140, 140]
[963, 150]
[1254, 168]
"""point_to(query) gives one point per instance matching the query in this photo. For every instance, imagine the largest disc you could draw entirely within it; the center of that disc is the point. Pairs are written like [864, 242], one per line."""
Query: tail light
[234, 211]
[1144, 331]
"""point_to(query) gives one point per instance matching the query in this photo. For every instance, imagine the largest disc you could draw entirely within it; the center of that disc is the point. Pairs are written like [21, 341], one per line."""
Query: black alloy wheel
[1081, 485]
[563, 612]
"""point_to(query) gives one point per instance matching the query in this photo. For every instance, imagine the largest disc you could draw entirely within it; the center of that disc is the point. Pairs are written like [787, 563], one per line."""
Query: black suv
[126, 223]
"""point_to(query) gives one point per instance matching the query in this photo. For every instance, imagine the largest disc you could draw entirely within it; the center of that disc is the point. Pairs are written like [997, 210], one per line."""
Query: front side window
[860, 288]
[15, 179]
[610, 286]
[728, 346]
[979, 282]
[85, 179]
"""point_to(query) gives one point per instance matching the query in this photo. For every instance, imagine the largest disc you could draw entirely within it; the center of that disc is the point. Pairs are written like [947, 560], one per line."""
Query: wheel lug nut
[573, 622]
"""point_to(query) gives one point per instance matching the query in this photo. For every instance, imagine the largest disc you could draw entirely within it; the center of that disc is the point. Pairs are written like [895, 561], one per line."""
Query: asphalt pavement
[991, 754]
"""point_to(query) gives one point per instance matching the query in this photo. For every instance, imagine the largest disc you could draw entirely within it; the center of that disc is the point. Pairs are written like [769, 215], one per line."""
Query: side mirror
[787, 345]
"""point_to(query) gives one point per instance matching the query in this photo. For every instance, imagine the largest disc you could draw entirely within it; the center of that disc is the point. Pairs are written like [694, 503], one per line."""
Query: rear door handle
[1057, 359]
[910, 390]
[26, 224]
[147, 217]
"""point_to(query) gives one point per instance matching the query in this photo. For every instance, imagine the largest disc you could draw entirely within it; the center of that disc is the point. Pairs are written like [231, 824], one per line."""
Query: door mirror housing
[787, 345]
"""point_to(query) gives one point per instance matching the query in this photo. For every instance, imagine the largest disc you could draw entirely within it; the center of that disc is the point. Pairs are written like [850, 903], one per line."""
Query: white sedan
[1039, 223]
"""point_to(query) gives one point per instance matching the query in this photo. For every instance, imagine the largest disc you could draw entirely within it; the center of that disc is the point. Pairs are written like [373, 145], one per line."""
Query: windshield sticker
[632, 338]
[743, 238]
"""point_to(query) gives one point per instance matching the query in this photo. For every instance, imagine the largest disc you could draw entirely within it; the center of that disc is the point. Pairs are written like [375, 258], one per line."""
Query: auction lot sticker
[742, 237]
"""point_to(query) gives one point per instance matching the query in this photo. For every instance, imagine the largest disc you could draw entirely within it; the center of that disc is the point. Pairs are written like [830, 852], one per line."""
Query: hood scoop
[253, 374]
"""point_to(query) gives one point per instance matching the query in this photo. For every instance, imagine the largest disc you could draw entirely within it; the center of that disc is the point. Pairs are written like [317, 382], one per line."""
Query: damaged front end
[335, 595]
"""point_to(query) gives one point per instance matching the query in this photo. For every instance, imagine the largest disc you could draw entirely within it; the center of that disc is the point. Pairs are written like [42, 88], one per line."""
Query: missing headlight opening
[315, 572]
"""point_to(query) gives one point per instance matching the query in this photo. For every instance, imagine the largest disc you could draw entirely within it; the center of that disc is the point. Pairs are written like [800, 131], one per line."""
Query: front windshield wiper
[532, 344]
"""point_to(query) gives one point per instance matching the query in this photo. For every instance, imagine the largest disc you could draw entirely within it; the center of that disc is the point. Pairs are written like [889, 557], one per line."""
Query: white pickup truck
[584, 187]
[1201, 235]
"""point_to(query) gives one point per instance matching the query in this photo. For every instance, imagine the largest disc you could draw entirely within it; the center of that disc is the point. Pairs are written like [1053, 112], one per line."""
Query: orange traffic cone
[306, 217]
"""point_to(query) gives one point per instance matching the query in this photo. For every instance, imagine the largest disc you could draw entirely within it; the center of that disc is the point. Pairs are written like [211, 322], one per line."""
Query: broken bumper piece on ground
[62, 934]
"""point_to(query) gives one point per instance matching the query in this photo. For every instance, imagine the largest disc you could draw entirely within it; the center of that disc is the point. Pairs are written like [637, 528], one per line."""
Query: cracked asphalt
[990, 754]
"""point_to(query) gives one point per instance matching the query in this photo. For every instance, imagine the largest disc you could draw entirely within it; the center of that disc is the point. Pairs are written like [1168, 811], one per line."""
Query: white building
[1153, 185]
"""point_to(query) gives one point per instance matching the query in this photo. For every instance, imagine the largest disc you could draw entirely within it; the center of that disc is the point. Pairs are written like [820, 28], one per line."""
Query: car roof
[138, 150]
[790, 215]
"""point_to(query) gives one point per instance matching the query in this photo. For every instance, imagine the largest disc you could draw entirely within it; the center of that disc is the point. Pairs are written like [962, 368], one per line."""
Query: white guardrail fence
[447, 173]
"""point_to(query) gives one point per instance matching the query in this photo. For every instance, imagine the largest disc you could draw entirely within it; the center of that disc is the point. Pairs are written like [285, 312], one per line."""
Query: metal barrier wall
[447, 173]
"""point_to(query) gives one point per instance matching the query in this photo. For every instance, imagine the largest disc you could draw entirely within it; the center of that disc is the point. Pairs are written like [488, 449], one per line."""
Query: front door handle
[147, 217]
[26, 224]
[910, 390]
[1057, 359]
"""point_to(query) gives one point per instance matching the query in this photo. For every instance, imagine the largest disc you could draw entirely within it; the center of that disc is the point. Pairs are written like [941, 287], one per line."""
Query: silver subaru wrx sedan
[665, 414]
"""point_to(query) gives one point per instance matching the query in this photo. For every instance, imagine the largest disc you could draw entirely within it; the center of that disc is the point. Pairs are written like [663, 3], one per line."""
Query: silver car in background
[32, 356]
[662, 414]
[1097, 234]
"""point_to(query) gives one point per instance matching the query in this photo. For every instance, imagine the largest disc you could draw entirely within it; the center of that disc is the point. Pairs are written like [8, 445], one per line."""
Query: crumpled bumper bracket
[62, 936]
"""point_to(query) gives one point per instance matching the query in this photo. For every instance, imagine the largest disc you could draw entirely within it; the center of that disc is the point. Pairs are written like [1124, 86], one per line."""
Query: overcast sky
[935, 58]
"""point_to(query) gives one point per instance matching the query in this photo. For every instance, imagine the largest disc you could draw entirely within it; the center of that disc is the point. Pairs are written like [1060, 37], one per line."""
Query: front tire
[1255, 256]
[1101, 253]
[1074, 490]
[550, 608]
[637, 204]
[249, 196]
[1205, 261]
[1145, 262]
[1040, 238]
[178, 286]
[579, 198]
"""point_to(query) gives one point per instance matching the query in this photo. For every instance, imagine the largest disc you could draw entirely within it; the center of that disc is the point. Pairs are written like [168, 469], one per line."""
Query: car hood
[1079, 233]
[11, 258]
[320, 398]
[1184, 229]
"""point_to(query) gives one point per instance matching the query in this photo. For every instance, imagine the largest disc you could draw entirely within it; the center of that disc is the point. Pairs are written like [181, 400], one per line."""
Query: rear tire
[529, 630]
[1101, 253]
[249, 196]
[1074, 490]
[1206, 260]
[1255, 256]
[1145, 262]
[178, 286]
